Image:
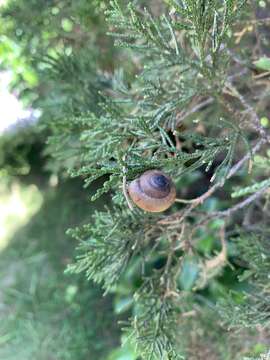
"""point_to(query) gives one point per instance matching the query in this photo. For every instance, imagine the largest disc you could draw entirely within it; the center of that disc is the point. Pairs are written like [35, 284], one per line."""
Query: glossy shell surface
[153, 191]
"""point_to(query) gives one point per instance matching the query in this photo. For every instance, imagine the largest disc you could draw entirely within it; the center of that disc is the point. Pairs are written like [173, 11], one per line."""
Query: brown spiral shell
[153, 191]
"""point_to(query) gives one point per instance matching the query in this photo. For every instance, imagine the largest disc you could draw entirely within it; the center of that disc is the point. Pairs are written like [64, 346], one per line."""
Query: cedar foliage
[188, 100]
[183, 59]
[186, 111]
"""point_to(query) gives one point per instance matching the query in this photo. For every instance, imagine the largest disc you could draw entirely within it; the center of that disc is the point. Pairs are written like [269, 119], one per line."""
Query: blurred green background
[44, 313]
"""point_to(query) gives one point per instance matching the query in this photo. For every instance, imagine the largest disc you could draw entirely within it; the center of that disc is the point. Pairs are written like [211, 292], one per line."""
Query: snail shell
[153, 191]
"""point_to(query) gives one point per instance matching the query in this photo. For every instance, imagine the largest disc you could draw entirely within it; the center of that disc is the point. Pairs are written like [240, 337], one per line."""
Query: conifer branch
[184, 66]
[179, 217]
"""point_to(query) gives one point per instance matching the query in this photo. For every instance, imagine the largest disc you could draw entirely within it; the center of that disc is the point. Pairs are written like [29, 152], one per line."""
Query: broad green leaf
[188, 274]
[263, 63]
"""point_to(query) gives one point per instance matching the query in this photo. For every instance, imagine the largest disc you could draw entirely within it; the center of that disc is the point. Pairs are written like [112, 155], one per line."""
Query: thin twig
[196, 108]
[249, 109]
[124, 186]
[221, 258]
[242, 204]
[256, 21]
[179, 217]
[210, 266]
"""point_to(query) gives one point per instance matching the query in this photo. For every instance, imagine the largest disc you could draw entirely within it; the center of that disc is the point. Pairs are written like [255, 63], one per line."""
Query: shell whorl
[153, 191]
